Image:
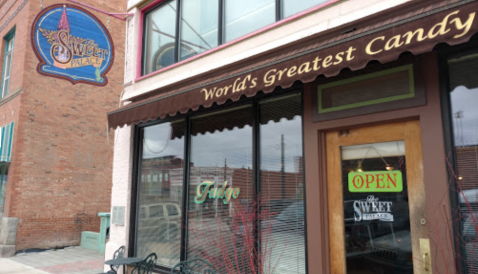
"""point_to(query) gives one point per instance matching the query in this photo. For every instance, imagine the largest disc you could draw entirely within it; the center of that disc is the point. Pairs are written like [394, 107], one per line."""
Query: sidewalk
[71, 260]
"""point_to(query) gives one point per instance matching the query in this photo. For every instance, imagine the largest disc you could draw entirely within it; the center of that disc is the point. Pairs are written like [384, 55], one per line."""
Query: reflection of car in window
[160, 222]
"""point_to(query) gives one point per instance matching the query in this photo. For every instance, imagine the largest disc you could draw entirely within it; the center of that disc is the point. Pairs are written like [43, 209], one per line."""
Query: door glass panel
[377, 220]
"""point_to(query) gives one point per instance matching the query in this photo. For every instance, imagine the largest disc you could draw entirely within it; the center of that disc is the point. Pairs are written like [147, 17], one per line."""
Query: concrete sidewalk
[71, 260]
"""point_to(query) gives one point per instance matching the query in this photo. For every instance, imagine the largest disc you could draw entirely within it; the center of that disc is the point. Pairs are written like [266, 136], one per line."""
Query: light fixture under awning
[416, 31]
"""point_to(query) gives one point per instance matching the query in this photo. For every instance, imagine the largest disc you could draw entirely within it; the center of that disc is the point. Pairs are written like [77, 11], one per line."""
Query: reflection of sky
[213, 149]
[271, 144]
[157, 142]
[234, 146]
[464, 104]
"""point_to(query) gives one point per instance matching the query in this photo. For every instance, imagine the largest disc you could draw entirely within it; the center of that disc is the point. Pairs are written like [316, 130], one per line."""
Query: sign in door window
[377, 220]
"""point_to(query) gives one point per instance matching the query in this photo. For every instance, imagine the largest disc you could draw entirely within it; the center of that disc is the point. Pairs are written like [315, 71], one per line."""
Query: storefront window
[281, 181]
[464, 115]
[160, 201]
[221, 153]
[236, 218]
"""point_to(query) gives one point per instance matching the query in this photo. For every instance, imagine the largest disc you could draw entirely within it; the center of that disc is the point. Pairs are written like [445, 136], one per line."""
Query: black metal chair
[195, 266]
[146, 266]
[119, 253]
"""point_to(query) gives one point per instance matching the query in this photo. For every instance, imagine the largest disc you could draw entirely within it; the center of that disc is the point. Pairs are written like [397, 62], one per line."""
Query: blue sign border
[45, 67]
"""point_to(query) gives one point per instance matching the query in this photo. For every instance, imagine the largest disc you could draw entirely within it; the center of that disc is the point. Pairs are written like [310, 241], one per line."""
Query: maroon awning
[418, 28]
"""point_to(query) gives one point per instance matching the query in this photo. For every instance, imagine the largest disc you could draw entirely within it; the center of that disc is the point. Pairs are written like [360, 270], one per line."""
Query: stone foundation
[8, 234]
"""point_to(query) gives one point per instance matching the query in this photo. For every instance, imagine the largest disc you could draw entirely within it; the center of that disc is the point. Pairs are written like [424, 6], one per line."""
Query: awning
[6, 143]
[416, 29]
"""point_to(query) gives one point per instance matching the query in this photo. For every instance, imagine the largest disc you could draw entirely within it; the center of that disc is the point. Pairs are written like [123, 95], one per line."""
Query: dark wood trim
[435, 173]
[316, 185]
[418, 100]
[304, 189]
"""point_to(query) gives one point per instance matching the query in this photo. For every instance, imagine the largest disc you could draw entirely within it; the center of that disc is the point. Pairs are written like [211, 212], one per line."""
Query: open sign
[376, 181]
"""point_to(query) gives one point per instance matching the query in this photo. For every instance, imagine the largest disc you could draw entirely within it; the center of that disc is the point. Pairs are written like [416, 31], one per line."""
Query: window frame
[254, 103]
[10, 36]
[444, 54]
[151, 6]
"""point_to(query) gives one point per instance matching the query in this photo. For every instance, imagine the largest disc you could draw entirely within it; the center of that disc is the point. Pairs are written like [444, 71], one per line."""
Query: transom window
[178, 29]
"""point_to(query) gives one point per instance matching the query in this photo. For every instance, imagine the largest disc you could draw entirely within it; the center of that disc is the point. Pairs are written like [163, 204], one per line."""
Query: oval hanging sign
[72, 44]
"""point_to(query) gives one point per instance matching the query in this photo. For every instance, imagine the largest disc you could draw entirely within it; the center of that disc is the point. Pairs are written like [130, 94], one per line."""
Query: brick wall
[60, 175]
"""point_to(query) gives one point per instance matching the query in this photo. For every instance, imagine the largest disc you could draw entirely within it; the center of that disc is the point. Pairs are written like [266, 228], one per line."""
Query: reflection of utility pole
[282, 169]
[459, 127]
[225, 169]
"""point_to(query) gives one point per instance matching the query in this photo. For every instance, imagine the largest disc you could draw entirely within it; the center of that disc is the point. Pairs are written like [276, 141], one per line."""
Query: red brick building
[56, 176]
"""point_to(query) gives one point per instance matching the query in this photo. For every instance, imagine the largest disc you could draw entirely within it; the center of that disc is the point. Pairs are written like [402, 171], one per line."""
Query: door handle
[425, 261]
[425, 252]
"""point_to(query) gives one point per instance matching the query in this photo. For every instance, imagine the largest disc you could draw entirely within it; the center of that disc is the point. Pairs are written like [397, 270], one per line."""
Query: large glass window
[282, 183]
[205, 24]
[464, 115]
[221, 153]
[199, 26]
[235, 218]
[243, 17]
[7, 64]
[159, 202]
[159, 38]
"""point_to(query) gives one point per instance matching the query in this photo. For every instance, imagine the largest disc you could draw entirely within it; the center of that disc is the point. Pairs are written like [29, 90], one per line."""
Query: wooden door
[369, 227]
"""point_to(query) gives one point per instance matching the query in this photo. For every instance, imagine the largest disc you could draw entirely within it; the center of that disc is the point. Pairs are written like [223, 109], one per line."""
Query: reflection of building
[162, 179]
[156, 175]
[466, 161]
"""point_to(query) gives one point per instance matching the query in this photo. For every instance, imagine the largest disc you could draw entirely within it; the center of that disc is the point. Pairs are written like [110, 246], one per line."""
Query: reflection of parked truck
[160, 222]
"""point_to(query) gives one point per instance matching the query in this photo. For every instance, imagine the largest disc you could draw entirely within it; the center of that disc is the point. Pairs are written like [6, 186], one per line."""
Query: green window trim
[411, 93]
